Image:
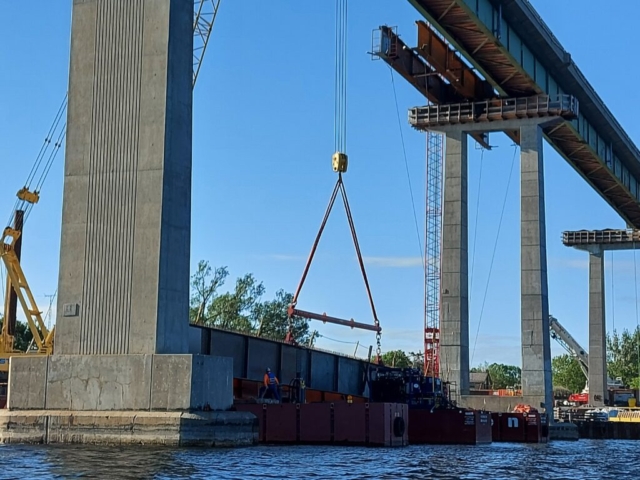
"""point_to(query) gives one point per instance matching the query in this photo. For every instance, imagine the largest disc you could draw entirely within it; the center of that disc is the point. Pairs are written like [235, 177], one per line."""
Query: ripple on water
[559, 460]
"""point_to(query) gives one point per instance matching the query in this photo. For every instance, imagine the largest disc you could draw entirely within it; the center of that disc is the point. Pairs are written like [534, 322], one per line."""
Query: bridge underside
[467, 33]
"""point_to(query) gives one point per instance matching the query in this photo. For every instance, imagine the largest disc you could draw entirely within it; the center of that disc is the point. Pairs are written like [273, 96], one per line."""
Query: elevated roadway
[516, 52]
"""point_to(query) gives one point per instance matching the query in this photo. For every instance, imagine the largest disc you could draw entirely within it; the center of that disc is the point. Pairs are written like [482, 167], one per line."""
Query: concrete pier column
[454, 307]
[536, 348]
[597, 331]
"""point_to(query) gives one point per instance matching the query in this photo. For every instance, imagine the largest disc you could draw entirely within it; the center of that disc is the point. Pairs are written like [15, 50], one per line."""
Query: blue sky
[263, 139]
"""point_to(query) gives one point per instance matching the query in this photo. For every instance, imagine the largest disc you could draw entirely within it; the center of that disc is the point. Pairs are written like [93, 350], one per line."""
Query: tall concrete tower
[124, 262]
[122, 330]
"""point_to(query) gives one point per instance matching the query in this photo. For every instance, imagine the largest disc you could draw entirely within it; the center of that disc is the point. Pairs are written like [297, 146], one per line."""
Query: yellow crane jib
[42, 337]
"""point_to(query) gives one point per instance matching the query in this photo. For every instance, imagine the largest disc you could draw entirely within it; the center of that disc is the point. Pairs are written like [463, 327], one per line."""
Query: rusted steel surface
[448, 63]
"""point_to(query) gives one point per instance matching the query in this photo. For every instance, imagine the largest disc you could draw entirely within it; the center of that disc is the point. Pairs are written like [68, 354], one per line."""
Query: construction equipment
[566, 340]
[339, 162]
[18, 290]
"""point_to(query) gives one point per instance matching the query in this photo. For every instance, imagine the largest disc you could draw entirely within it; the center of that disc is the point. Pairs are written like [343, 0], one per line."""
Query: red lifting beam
[323, 317]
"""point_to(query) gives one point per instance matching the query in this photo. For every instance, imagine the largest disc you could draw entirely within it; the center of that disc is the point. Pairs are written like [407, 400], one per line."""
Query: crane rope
[339, 162]
[340, 113]
[55, 132]
[495, 248]
[635, 274]
[613, 300]
[406, 166]
[475, 227]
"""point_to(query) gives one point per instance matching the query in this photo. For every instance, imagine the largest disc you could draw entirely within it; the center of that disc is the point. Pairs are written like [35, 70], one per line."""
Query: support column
[597, 331]
[454, 310]
[536, 348]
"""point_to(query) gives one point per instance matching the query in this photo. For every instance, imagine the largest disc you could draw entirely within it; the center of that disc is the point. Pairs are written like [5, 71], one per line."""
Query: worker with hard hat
[271, 383]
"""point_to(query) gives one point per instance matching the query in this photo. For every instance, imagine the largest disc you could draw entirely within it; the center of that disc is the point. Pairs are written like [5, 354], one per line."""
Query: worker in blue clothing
[271, 384]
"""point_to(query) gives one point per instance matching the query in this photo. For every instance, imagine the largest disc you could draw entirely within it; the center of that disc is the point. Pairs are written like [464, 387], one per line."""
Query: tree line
[243, 309]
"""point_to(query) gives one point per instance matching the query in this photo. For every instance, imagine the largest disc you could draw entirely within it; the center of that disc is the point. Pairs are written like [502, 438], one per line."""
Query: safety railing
[565, 106]
[600, 237]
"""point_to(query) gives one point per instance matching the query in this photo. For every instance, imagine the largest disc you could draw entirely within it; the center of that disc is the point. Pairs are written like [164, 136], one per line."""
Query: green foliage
[396, 358]
[501, 376]
[623, 359]
[242, 309]
[567, 373]
[483, 367]
[273, 321]
[504, 376]
[22, 337]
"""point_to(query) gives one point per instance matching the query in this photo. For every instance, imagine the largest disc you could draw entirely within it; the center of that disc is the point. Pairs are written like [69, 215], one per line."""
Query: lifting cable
[29, 194]
[475, 228]
[339, 163]
[495, 247]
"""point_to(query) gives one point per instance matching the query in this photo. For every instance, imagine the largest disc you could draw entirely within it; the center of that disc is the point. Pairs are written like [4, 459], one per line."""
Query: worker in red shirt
[271, 384]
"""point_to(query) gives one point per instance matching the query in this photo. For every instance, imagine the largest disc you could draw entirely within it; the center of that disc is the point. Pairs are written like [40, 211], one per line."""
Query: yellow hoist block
[339, 162]
[28, 196]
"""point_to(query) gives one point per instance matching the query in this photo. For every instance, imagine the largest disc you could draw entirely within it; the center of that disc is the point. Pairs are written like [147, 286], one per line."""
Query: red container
[350, 422]
[315, 423]
[376, 424]
[388, 424]
[519, 427]
[455, 426]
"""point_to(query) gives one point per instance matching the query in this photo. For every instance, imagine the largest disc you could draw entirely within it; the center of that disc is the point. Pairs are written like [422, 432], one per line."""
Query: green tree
[483, 367]
[273, 321]
[396, 358]
[23, 336]
[242, 309]
[504, 376]
[204, 290]
[237, 310]
[623, 359]
[567, 373]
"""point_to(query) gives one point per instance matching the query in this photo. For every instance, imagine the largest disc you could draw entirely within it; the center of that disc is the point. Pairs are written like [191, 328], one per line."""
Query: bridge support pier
[536, 343]
[597, 330]
[454, 306]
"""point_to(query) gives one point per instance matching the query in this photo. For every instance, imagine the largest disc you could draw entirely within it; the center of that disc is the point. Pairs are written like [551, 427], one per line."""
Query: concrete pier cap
[121, 371]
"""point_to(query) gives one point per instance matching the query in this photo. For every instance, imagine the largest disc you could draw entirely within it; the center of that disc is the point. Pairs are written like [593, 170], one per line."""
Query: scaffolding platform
[622, 237]
[498, 109]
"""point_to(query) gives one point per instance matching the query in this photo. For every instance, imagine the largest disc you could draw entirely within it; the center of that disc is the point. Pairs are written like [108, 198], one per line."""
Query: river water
[592, 459]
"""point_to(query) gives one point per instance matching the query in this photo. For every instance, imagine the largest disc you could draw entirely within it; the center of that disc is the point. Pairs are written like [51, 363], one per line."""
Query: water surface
[593, 459]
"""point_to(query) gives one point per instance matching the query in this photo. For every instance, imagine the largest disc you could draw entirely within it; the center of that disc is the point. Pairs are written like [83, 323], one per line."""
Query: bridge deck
[507, 41]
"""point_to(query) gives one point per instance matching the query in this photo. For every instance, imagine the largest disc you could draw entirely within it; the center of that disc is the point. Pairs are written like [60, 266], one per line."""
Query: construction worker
[271, 384]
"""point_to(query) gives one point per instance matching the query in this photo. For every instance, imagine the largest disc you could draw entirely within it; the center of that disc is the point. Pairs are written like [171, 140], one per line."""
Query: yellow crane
[204, 15]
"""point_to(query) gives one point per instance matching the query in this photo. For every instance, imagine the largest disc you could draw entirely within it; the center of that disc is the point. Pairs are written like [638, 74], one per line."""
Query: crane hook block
[27, 195]
[339, 162]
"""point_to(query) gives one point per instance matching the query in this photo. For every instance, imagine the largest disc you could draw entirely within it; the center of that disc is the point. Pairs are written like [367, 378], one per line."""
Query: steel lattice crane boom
[204, 15]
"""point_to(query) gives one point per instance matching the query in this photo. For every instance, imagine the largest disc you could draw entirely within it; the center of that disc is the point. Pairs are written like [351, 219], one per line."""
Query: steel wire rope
[613, 300]
[35, 168]
[637, 332]
[406, 165]
[335, 340]
[475, 226]
[495, 247]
